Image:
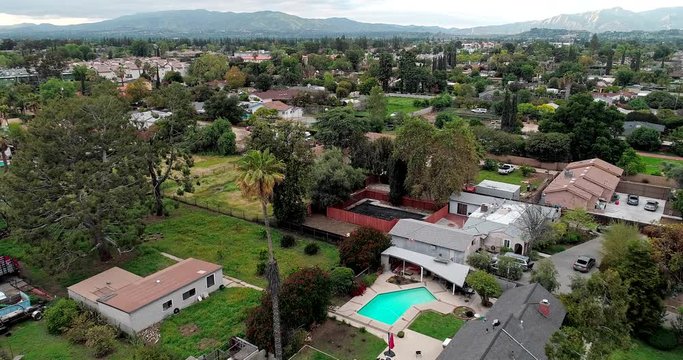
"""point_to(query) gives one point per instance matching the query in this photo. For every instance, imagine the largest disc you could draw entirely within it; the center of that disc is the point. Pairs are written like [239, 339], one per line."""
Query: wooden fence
[361, 220]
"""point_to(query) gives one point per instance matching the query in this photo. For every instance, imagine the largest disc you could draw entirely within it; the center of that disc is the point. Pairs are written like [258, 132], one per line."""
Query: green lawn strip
[209, 324]
[399, 104]
[233, 243]
[309, 353]
[436, 325]
[344, 341]
[147, 261]
[642, 351]
[514, 178]
[31, 339]
[654, 165]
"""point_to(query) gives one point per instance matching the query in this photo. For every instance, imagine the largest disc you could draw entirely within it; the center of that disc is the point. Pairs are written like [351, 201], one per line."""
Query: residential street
[564, 260]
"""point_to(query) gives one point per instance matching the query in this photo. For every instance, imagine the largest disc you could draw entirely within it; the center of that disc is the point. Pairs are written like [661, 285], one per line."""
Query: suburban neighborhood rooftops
[432, 234]
[104, 283]
[598, 163]
[524, 321]
[631, 126]
[282, 94]
[582, 184]
[153, 287]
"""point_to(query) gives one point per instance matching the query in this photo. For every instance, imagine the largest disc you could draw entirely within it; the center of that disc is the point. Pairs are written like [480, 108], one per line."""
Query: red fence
[438, 215]
[383, 196]
[361, 220]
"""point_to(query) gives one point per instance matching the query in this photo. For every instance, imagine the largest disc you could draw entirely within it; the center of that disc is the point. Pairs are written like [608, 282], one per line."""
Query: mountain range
[211, 24]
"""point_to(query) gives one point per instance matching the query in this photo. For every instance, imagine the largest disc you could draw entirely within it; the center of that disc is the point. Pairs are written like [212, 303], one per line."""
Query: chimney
[544, 307]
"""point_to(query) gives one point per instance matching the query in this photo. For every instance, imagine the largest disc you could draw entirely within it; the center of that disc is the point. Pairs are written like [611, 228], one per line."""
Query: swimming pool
[388, 307]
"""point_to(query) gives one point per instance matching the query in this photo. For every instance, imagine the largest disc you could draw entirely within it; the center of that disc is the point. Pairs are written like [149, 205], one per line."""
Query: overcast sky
[447, 13]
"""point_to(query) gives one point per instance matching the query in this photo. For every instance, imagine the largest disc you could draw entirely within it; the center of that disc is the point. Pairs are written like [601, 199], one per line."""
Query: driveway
[564, 260]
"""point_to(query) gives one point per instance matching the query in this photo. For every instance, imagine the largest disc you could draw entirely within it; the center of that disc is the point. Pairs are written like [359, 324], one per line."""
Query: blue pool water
[388, 307]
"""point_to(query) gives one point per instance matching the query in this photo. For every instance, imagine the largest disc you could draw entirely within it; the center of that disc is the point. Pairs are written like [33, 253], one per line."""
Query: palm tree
[80, 74]
[259, 173]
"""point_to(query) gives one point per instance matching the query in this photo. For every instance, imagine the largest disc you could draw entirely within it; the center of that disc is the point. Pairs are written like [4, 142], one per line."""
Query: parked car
[633, 200]
[479, 110]
[584, 263]
[505, 169]
[523, 261]
[651, 205]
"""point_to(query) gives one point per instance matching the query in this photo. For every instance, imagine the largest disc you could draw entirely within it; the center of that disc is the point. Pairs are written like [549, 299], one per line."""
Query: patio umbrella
[390, 353]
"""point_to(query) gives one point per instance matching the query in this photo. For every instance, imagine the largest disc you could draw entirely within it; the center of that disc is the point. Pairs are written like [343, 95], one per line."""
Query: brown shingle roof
[276, 105]
[162, 283]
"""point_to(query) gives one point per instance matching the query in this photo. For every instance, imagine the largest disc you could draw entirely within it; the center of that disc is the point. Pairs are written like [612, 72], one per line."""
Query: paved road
[564, 260]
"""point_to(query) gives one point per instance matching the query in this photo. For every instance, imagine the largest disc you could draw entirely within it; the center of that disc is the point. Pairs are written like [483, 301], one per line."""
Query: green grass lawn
[344, 341]
[399, 104]
[31, 339]
[654, 165]
[309, 353]
[436, 325]
[209, 324]
[514, 178]
[147, 261]
[214, 186]
[231, 242]
[642, 351]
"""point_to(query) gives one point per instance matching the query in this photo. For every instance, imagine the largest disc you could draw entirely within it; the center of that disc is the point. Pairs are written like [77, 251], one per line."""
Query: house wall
[81, 299]
[495, 241]
[564, 199]
[117, 318]
[432, 250]
[453, 207]
[503, 194]
[153, 313]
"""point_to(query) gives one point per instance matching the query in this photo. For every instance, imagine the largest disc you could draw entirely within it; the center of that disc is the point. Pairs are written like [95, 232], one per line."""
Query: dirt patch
[400, 280]
[208, 343]
[189, 329]
[463, 312]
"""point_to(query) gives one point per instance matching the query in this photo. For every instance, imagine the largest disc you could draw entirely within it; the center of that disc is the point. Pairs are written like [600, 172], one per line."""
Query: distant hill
[211, 24]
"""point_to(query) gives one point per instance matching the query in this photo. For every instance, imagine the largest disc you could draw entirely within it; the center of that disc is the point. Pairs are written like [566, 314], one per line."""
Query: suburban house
[133, 303]
[587, 184]
[518, 326]
[283, 110]
[631, 126]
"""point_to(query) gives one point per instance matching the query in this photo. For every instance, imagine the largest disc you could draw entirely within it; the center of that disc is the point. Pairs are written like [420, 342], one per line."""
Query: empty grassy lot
[654, 165]
[514, 178]
[642, 351]
[438, 326]
[399, 104]
[231, 242]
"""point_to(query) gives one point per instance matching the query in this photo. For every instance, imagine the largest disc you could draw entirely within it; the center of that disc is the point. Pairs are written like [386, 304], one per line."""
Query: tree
[624, 77]
[567, 343]
[363, 249]
[594, 44]
[631, 162]
[579, 219]
[208, 67]
[340, 127]
[54, 89]
[60, 315]
[287, 141]
[508, 120]
[667, 251]
[50, 64]
[235, 78]
[440, 161]
[480, 260]
[173, 76]
[674, 172]
[550, 147]
[662, 53]
[535, 226]
[263, 82]
[386, 65]
[377, 107]
[341, 280]
[485, 285]
[94, 204]
[408, 72]
[615, 241]
[354, 56]
[305, 297]
[138, 90]
[120, 73]
[260, 171]
[644, 139]
[217, 138]
[80, 73]
[545, 274]
[222, 105]
[333, 180]
[397, 189]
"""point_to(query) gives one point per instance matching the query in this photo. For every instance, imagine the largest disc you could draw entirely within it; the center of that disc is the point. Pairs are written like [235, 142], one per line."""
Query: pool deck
[445, 303]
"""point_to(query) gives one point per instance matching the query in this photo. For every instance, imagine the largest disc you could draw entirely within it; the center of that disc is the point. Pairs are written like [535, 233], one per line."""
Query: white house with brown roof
[133, 303]
[587, 184]
[283, 110]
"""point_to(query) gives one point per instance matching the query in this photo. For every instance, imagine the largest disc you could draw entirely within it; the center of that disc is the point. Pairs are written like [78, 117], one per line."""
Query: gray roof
[453, 272]
[497, 185]
[474, 199]
[631, 126]
[520, 323]
[432, 234]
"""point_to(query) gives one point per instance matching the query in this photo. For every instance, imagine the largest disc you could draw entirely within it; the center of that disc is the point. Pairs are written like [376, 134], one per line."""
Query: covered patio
[444, 269]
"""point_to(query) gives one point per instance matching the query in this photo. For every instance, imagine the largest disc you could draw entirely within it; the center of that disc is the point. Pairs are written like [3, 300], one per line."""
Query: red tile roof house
[586, 184]
[283, 110]
[133, 303]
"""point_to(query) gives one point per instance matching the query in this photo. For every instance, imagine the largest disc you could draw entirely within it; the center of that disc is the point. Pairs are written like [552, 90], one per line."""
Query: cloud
[446, 13]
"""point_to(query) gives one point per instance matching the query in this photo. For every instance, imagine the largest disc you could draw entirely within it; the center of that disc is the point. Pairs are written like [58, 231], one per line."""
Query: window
[210, 281]
[506, 243]
[167, 305]
[188, 294]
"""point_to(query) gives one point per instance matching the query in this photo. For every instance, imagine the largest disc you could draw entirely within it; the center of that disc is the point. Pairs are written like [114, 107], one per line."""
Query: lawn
[31, 339]
[147, 261]
[514, 178]
[654, 165]
[231, 242]
[209, 324]
[642, 351]
[214, 186]
[399, 104]
[436, 325]
[309, 353]
[344, 341]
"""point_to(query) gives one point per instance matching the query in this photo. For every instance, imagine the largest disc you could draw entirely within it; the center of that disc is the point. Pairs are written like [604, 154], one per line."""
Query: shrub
[572, 238]
[77, 333]
[311, 249]
[363, 249]
[369, 279]
[287, 241]
[480, 260]
[490, 165]
[261, 268]
[401, 334]
[358, 288]
[60, 315]
[341, 280]
[527, 170]
[663, 339]
[509, 268]
[101, 339]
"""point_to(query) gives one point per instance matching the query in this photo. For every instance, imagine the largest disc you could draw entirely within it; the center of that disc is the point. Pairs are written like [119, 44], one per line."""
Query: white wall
[453, 207]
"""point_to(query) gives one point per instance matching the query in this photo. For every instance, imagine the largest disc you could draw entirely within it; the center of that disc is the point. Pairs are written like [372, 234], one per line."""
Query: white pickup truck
[505, 169]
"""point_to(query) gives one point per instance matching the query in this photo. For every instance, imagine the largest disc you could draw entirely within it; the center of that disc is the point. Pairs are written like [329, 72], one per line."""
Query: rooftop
[490, 184]
[432, 234]
[276, 105]
[104, 283]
